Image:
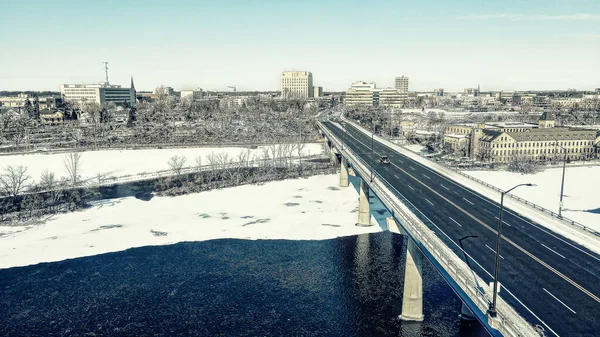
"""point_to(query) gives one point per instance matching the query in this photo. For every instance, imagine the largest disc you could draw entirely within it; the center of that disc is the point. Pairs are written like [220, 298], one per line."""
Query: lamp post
[372, 151]
[562, 184]
[492, 310]
[343, 134]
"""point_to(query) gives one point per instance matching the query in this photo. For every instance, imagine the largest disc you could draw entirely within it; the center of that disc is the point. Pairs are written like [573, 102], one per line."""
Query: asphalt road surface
[550, 280]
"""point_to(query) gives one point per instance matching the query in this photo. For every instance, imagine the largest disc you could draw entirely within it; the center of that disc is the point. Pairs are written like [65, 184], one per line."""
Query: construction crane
[232, 87]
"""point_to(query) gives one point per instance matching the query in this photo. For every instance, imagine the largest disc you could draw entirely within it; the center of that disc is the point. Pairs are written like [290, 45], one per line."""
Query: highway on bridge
[548, 279]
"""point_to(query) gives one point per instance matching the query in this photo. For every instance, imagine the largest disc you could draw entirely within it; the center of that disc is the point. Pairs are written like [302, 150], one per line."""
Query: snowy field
[581, 200]
[417, 148]
[299, 209]
[129, 162]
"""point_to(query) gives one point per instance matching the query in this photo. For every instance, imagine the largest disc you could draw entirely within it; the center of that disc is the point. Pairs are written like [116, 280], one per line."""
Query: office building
[98, 93]
[505, 142]
[297, 84]
[367, 93]
[401, 84]
[192, 94]
[168, 91]
[318, 91]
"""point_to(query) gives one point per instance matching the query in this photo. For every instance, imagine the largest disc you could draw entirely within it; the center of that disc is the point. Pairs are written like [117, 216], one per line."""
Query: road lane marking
[410, 187]
[395, 175]
[468, 201]
[504, 222]
[401, 161]
[490, 248]
[412, 168]
[455, 222]
[535, 258]
[553, 251]
[561, 302]
[429, 201]
[445, 187]
[426, 177]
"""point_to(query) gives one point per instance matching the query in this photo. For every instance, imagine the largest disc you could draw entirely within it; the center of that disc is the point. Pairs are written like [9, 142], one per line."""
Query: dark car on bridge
[384, 160]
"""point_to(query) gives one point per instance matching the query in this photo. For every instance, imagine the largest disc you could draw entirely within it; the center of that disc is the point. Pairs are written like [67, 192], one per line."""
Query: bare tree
[54, 187]
[176, 164]
[198, 163]
[72, 162]
[14, 180]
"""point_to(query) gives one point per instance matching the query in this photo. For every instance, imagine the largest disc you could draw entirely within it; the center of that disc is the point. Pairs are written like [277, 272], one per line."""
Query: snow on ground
[128, 162]
[417, 148]
[299, 209]
[581, 201]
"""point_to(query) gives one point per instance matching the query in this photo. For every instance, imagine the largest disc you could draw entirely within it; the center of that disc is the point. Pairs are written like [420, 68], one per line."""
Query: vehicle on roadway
[384, 160]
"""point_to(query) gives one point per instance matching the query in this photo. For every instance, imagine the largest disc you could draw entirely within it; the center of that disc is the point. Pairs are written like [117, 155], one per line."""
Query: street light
[372, 151]
[562, 184]
[492, 310]
[343, 134]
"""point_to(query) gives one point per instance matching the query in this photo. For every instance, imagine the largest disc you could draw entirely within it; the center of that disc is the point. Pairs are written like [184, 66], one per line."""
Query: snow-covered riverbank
[115, 163]
[312, 208]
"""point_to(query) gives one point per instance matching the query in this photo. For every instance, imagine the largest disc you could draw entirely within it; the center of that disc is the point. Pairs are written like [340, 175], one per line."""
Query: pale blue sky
[211, 44]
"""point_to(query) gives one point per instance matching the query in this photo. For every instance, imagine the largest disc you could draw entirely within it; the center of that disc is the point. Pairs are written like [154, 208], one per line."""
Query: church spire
[132, 86]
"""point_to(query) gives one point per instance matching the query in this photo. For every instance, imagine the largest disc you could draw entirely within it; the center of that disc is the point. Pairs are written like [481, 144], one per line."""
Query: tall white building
[297, 84]
[99, 93]
[401, 83]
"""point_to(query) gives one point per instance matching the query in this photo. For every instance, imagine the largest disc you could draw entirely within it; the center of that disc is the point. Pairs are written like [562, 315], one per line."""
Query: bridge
[549, 285]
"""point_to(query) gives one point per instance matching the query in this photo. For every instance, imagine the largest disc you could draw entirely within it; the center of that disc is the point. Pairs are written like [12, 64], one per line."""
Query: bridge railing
[508, 322]
[529, 203]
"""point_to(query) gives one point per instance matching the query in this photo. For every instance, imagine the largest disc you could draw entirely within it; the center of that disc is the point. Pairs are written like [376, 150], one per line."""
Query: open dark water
[350, 286]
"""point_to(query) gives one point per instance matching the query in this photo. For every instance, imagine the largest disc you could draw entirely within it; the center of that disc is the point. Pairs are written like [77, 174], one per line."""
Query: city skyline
[511, 45]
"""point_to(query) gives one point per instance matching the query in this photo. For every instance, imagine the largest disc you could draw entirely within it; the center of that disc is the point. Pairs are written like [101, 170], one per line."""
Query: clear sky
[501, 45]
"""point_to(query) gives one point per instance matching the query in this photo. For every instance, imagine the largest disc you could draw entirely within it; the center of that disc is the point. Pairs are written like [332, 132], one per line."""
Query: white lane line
[412, 168]
[468, 201]
[410, 187]
[485, 210]
[426, 177]
[561, 302]
[553, 251]
[428, 201]
[445, 187]
[455, 222]
[504, 222]
[395, 175]
[490, 248]
[401, 161]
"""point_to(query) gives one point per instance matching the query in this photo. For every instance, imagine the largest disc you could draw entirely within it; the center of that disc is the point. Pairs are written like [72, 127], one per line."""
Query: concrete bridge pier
[344, 173]
[364, 209]
[412, 298]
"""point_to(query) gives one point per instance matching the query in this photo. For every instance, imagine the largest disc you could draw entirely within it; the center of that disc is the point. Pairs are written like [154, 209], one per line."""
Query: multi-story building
[367, 93]
[233, 101]
[401, 83]
[192, 94]
[162, 90]
[297, 84]
[318, 91]
[99, 93]
[44, 102]
[504, 142]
